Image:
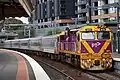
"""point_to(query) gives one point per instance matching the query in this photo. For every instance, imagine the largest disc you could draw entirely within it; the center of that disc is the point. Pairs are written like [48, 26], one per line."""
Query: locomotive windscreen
[88, 35]
[104, 35]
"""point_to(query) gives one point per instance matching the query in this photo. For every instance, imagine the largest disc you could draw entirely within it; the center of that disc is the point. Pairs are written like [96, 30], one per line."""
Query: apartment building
[101, 10]
[62, 11]
[48, 12]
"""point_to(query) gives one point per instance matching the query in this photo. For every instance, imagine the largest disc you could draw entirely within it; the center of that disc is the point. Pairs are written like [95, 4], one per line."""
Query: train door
[72, 44]
[61, 42]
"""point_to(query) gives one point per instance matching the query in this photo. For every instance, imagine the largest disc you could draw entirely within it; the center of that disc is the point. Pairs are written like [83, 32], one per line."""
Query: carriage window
[88, 35]
[16, 44]
[35, 44]
[103, 35]
[24, 43]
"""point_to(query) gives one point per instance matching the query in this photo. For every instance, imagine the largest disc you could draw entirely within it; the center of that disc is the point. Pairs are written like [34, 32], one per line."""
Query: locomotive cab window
[78, 37]
[61, 37]
[104, 35]
[88, 35]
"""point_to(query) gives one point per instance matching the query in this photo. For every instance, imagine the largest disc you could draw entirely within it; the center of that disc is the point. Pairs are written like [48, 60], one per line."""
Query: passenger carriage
[7, 44]
[35, 43]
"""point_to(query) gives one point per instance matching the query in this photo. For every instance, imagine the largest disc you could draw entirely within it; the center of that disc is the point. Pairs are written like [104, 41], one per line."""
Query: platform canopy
[11, 8]
[14, 8]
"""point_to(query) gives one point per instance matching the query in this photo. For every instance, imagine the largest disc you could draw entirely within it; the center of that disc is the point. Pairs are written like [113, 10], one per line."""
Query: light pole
[29, 32]
[118, 32]
[118, 35]
[117, 14]
[89, 4]
[75, 21]
[24, 30]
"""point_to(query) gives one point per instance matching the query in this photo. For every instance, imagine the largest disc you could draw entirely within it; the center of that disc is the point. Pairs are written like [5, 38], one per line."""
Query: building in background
[101, 10]
[60, 12]
[53, 12]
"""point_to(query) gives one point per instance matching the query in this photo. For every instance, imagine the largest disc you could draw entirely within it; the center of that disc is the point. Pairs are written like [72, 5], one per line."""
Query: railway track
[70, 73]
[114, 73]
[104, 76]
[94, 76]
[80, 73]
[63, 76]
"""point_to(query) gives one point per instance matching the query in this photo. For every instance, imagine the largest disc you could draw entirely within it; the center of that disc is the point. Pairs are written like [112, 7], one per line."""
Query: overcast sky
[23, 19]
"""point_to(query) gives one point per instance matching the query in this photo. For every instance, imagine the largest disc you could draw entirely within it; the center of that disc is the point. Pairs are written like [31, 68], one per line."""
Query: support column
[2, 17]
[118, 34]
[114, 42]
[118, 30]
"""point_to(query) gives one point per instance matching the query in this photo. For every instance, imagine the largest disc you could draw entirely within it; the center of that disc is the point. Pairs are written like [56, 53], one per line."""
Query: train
[88, 47]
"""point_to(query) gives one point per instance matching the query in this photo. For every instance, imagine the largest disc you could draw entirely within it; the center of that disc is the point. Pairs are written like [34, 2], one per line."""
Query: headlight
[89, 60]
[103, 59]
[106, 55]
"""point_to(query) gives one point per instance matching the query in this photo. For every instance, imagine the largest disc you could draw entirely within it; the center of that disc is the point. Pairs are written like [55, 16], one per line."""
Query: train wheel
[72, 59]
[58, 57]
[62, 57]
[48, 55]
[37, 53]
[55, 57]
[51, 56]
[40, 54]
[77, 61]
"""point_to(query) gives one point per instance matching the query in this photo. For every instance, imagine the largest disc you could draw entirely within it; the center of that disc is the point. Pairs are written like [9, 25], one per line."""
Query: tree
[53, 32]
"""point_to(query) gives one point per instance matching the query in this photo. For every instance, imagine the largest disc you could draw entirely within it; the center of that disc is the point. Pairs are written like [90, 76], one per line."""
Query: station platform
[116, 55]
[18, 66]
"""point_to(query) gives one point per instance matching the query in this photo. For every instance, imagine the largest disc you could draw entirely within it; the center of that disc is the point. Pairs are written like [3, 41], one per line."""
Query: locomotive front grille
[97, 63]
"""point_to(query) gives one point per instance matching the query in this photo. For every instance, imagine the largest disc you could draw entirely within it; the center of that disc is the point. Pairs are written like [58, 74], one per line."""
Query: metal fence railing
[54, 30]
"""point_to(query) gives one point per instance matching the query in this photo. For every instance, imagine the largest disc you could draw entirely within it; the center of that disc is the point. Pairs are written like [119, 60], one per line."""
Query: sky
[23, 19]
